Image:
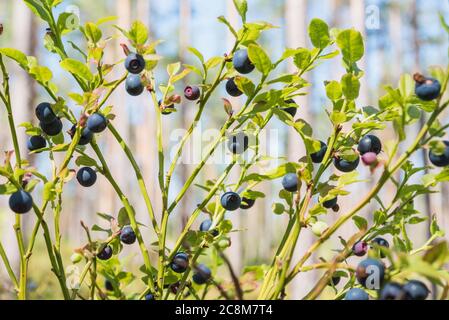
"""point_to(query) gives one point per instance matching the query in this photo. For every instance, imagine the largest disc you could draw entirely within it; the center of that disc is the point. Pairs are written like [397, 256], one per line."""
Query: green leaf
[41, 74]
[350, 86]
[242, 8]
[92, 32]
[38, 9]
[360, 222]
[213, 62]
[85, 161]
[173, 68]
[16, 55]
[222, 19]
[338, 117]
[334, 90]
[278, 208]
[197, 54]
[302, 58]
[319, 33]
[138, 34]
[245, 85]
[351, 44]
[260, 59]
[49, 193]
[123, 219]
[77, 68]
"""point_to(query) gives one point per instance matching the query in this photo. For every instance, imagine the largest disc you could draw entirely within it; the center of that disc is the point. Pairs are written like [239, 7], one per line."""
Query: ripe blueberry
[166, 109]
[127, 235]
[427, 89]
[202, 274]
[86, 176]
[329, 204]
[105, 254]
[192, 93]
[369, 159]
[392, 291]
[382, 243]
[360, 248]
[374, 269]
[53, 128]
[318, 156]
[232, 89]
[20, 202]
[441, 160]
[356, 294]
[230, 201]
[290, 182]
[180, 262]
[108, 285]
[346, 166]
[241, 62]
[45, 113]
[36, 143]
[97, 123]
[133, 85]
[335, 280]
[415, 290]
[134, 63]
[291, 110]
[86, 135]
[369, 143]
[247, 203]
[205, 226]
[238, 143]
[149, 297]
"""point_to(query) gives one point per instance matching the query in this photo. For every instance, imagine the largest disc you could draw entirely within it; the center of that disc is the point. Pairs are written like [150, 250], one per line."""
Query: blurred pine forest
[401, 36]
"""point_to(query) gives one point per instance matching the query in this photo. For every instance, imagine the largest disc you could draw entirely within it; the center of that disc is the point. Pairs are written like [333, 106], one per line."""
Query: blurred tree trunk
[296, 36]
[236, 250]
[185, 108]
[21, 29]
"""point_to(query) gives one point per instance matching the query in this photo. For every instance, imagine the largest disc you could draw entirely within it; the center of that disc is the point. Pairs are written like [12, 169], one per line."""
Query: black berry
[127, 235]
[369, 143]
[415, 290]
[192, 93]
[134, 63]
[202, 274]
[105, 254]
[230, 201]
[290, 182]
[53, 128]
[232, 89]
[392, 291]
[97, 123]
[45, 113]
[180, 262]
[440, 160]
[318, 156]
[247, 203]
[346, 166]
[36, 143]
[20, 202]
[134, 85]
[427, 89]
[86, 176]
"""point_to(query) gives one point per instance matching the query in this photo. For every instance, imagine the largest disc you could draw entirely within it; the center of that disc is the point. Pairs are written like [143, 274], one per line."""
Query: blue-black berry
[382, 243]
[392, 291]
[329, 204]
[134, 63]
[346, 166]
[241, 62]
[290, 182]
[415, 290]
[20, 202]
[85, 137]
[292, 108]
[97, 123]
[356, 294]
[202, 274]
[247, 203]
[53, 128]
[232, 89]
[36, 143]
[45, 113]
[86, 176]
[105, 254]
[369, 143]
[318, 156]
[440, 160]
[134, 85]
[127, 235]
[370, 273]
[427, 89]
[231, 201]
[180, 262]
[205, 226]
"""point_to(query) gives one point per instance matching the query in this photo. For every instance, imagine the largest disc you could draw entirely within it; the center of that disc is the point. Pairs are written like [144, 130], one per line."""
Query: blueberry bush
[307, 190]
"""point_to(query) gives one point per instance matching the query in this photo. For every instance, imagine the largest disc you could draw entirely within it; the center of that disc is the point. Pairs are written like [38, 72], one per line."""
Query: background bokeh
[401, 36]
